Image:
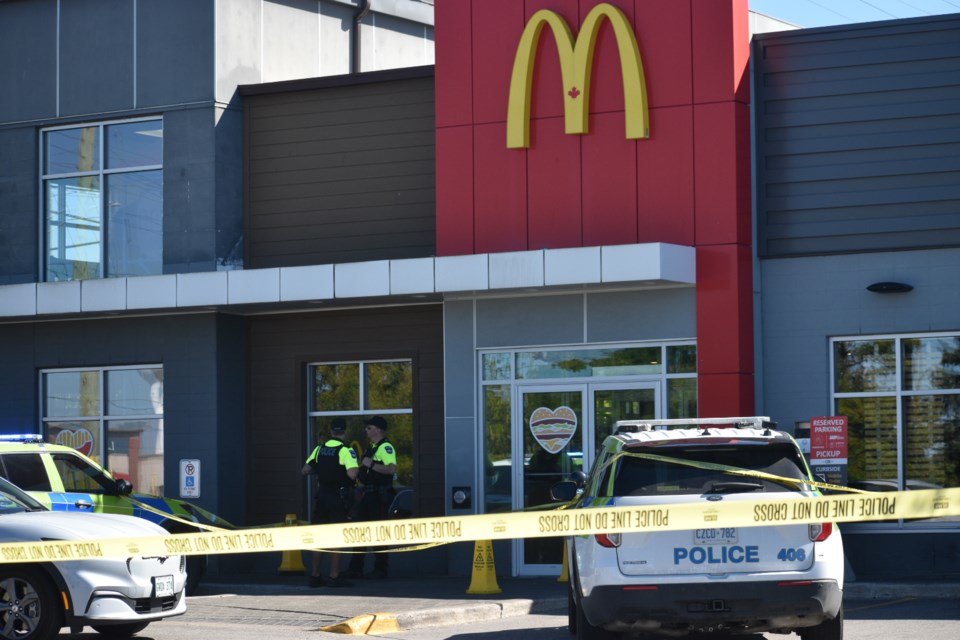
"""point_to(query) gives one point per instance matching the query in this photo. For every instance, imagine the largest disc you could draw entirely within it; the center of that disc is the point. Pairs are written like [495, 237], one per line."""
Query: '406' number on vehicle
[792, 555]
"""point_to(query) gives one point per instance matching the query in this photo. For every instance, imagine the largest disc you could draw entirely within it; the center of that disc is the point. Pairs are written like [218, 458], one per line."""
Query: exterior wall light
[890, 287]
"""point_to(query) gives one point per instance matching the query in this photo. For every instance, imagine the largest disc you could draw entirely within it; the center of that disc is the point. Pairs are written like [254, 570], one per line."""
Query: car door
[84, 487]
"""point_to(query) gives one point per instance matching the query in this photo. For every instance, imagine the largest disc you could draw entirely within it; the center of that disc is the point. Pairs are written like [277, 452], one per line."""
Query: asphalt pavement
[406, 603]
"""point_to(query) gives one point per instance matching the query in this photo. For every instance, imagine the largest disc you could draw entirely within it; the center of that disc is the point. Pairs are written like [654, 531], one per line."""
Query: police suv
[744, 580]
[63, 479]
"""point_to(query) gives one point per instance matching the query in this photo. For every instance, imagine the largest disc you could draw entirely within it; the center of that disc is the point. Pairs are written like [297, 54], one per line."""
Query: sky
[821, 13]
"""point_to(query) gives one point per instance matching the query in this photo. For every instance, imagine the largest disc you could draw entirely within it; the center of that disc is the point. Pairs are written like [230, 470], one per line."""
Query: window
[103, 200]
[112, 415]
[901, 396]
[79, 476]
[356, 390]
[25, 470]
[641, 477]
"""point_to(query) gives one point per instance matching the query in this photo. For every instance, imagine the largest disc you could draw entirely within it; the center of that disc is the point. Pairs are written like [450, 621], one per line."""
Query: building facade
[502, 254]
[857, 164]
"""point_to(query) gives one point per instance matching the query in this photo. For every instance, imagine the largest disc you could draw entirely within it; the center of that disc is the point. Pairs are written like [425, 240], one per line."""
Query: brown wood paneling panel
[280, 347]
[340, 174]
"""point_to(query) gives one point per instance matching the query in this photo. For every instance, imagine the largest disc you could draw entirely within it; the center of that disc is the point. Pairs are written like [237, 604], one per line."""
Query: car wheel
[120, 630]
[196, 565]
[571, 610]
[29, 607]
[586, 631]
[826, 630]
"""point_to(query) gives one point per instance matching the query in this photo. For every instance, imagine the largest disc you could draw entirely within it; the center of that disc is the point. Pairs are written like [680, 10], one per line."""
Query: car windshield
[641, 477]
[13, 500]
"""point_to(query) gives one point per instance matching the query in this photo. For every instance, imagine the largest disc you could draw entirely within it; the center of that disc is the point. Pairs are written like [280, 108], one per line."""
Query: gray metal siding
[109, 57]
[858, 137]
[808, 300]
[96, 56]
[28, 49]
[19, 208]
[175, 45]
[341, 174]
[536, 320]
[664, 314]
[196, 386]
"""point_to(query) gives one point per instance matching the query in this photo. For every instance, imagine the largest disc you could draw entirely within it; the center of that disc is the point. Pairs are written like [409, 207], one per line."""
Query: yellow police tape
[741, 512]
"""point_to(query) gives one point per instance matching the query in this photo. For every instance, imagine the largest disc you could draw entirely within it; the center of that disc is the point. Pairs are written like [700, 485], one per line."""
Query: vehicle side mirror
[124, 488]
[564, 491]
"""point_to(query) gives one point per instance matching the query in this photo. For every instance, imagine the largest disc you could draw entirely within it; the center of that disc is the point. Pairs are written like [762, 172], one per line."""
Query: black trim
[346, 80]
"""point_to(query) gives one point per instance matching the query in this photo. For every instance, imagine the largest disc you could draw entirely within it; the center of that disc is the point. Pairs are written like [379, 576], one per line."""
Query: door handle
[83, 504]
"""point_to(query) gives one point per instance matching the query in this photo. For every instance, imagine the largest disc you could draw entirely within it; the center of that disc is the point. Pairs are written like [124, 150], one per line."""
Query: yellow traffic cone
[564, 571]
[484, 578]
[291, 562]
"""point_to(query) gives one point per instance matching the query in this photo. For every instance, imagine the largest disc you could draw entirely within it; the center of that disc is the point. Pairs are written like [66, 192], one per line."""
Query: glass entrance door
[553, 439]
[562, 426]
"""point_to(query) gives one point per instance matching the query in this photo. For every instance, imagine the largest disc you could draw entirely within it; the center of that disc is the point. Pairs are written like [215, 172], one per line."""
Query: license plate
[163, 586]
[715, 536]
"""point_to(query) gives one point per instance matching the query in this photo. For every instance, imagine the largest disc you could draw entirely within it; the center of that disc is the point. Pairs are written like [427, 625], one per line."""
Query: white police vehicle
[745, 580]
[116, 596]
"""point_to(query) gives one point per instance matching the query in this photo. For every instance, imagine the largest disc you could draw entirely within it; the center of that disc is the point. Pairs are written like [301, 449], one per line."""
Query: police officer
[377, 468]
[335, 466]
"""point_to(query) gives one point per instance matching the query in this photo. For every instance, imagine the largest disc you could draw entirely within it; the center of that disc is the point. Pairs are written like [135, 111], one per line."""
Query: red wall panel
[553, 181]
[664, 36]
[609, 183]
[455, 191]
[500, 192]
[724, 309]
[497, 25]
[721, 51]
[725, 394]
[453, 70]
[665, 178]
[722, 169]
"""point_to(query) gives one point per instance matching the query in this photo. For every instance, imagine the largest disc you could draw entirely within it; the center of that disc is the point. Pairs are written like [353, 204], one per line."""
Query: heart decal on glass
[553, 428]
[81, 440]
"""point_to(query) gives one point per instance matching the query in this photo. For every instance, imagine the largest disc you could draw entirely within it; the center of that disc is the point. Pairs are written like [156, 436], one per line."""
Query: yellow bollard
[291, 562]
[564, 571]
[484, 578]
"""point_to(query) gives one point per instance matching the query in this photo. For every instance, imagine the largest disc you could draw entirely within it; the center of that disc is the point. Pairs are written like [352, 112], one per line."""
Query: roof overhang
[373, 283]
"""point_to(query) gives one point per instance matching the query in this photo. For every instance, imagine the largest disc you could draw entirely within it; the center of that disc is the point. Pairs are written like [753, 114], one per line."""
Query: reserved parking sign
[189, 478]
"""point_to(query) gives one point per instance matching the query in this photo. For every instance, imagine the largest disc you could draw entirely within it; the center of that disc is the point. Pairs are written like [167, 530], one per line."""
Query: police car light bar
[21, 437]
[633, 426]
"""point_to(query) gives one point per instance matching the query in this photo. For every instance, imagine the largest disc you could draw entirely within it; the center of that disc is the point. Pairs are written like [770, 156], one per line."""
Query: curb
[368, 623]
[374, 623]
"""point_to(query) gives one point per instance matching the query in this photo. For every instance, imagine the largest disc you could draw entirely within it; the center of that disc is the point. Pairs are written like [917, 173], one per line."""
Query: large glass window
[113, 415]
[901, 395]
[356, 390]
[103, 200]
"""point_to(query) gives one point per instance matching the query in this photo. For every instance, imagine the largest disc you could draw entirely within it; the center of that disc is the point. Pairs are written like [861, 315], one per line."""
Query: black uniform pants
[373, 505]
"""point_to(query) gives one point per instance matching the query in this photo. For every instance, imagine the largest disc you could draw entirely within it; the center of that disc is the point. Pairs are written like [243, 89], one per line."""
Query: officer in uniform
[377, 468]
[335, 466]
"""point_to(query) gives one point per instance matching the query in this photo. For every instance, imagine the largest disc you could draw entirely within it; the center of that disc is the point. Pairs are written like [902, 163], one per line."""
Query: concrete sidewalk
[398, 604]
[375, 606]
